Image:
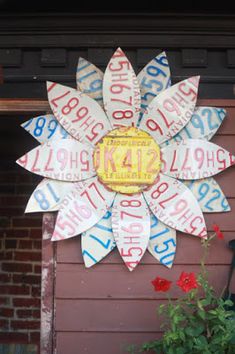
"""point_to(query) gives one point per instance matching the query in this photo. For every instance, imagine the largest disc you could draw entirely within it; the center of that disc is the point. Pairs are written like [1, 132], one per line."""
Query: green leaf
[190, 331]
[213, 312]
[182, 335]
[194, 331]
[205, 302]
[200, 328]
[201, 341]
[202, 314]
[228, 302]
[180, 350]
[152, 345]
[221, 317]
[233, 337]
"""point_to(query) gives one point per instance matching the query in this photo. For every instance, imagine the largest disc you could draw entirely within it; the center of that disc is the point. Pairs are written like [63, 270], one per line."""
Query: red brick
[10, 244]
[37, 244]
[22, 302]
[4, 301]
[6, 256]
[25, 324]
[34, 337]
[14, 233]
[5, 278]
[25, 244]
[37, 269]
[26, 222]
[28, 256]
[36, 233]
[14, 175]
[36, 313]
[36, 291]
[14, 290]
[24, 188]
[5, 221]
[11, 211]
[17, 267]
[7, 189]
[24, 178]
[13, 337]
[26, 279]
[24, 313]
[7, 177]
[6, 312]
[13, 200]
[4, 324]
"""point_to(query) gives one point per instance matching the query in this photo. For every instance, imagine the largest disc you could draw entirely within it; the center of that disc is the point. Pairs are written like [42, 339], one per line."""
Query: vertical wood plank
[47, 288]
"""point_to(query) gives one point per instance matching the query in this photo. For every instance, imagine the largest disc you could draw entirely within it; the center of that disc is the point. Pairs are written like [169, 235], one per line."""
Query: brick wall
[20, 254]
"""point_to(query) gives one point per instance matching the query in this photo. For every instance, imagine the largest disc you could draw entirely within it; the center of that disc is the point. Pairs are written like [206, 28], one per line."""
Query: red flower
[219, 234]
[187, 281]
[161, 284]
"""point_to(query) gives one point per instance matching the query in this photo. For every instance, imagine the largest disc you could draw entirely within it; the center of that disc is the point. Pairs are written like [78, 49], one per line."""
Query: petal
[45, 128]
[131, 227]
[121, 91]
[90, 80]
[154, 78]
[98, 241]
[162, 242]
[171, 110]
[195, 159]
[209, 195]
[175, 205]
[64, 160]
[204, 123]
[82, 208]
[80, 115]
[48, 195]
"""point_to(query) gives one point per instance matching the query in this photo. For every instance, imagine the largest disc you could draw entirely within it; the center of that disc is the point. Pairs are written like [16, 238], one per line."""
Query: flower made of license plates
[126, 160]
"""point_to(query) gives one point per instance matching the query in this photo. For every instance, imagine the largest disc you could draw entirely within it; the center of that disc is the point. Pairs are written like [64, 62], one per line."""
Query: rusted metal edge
[47, 286]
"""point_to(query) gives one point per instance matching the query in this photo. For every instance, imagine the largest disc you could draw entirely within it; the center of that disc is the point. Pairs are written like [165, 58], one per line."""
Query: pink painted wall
[104, 309]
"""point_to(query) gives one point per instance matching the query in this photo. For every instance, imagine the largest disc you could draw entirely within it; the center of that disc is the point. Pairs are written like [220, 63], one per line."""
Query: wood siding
[104, 309]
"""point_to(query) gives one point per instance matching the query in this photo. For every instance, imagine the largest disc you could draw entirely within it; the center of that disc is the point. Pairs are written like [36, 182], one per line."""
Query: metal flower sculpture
[126, 160]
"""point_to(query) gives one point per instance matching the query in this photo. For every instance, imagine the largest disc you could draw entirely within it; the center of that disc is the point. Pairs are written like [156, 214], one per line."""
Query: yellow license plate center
[127, 160]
